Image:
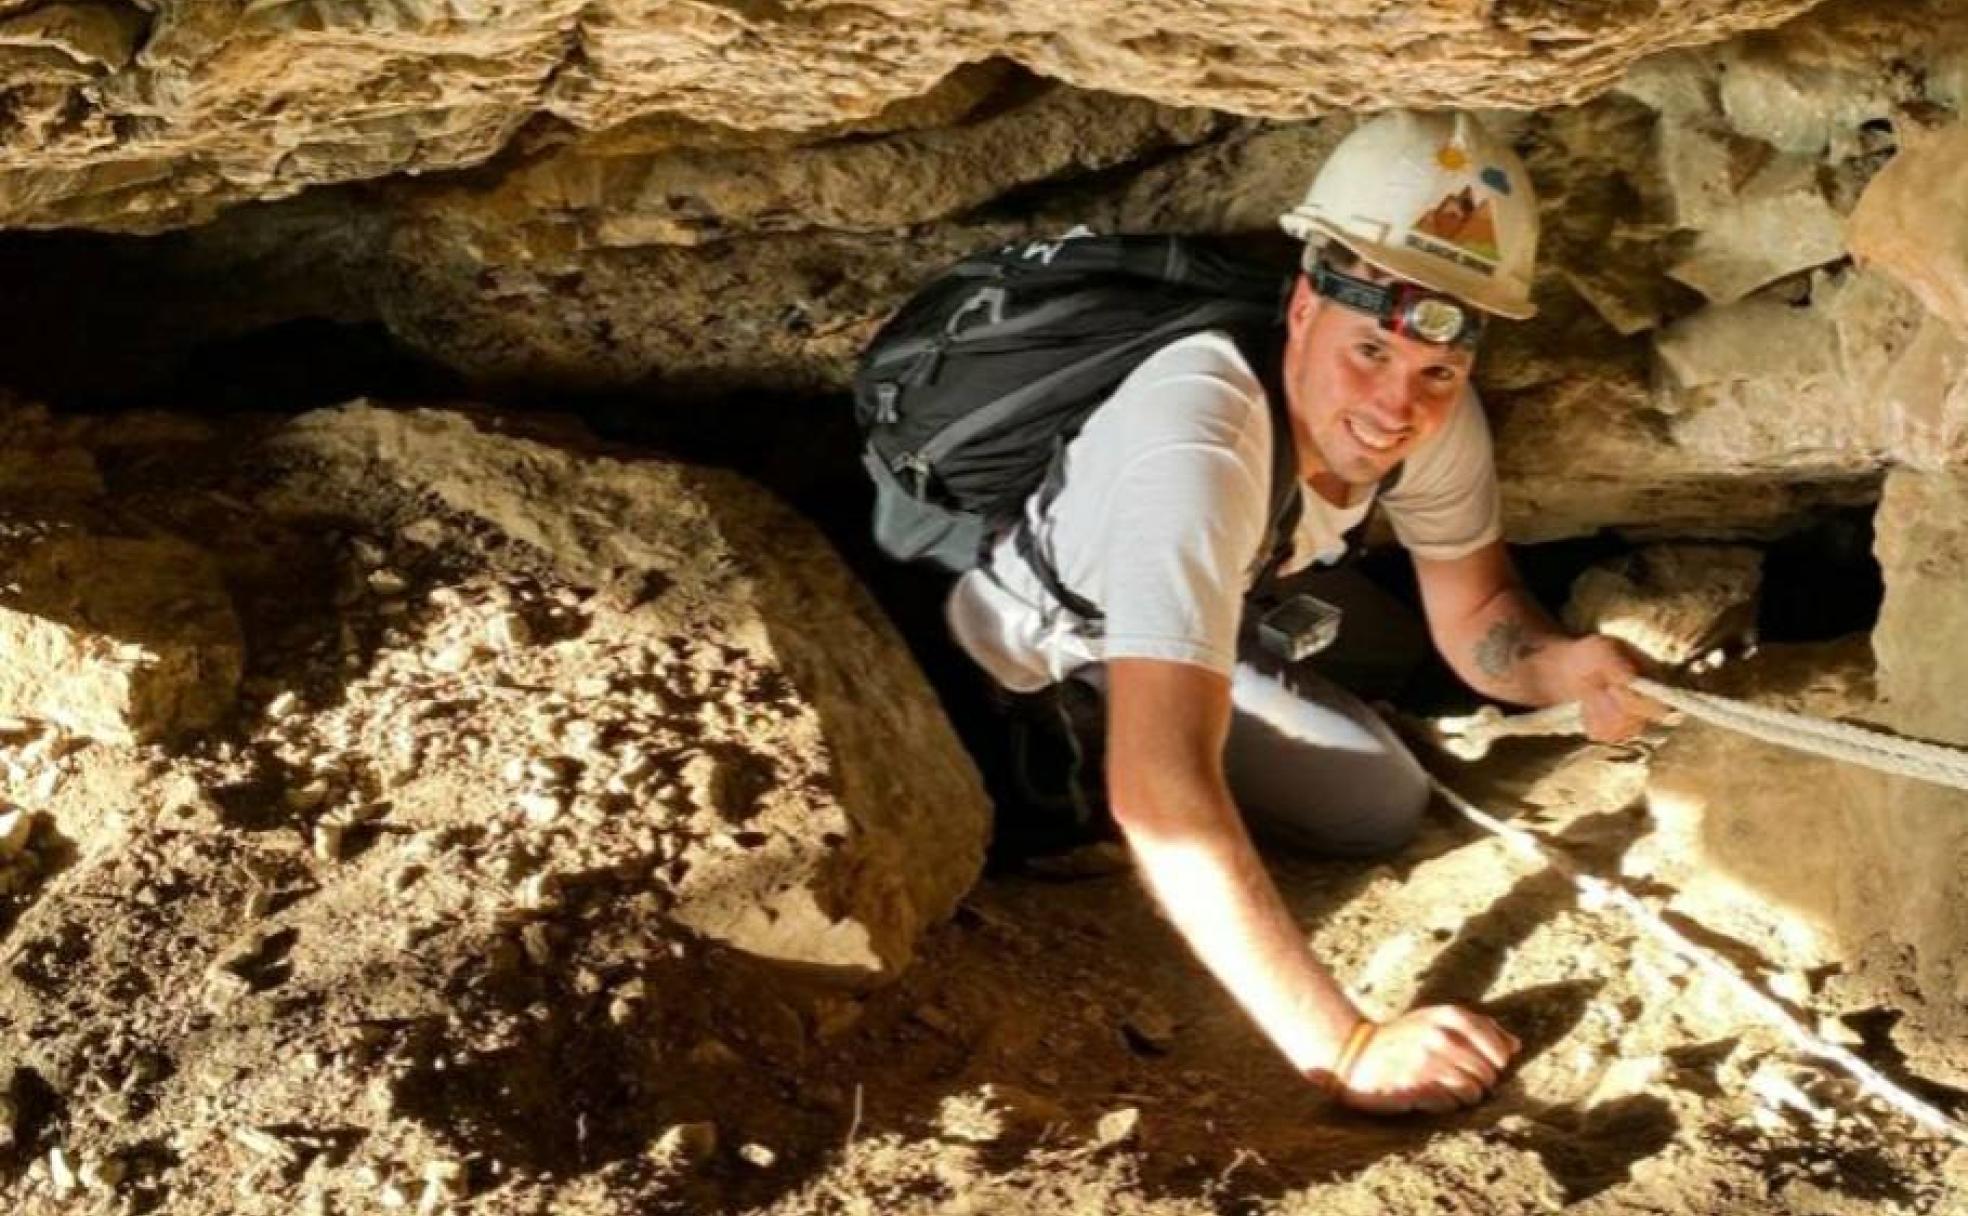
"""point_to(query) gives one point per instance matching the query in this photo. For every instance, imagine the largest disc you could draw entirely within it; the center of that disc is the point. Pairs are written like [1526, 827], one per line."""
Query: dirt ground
[323, 960]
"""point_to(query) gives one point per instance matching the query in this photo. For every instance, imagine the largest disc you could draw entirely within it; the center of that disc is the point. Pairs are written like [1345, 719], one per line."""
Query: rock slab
[851, 819]
[119, 639]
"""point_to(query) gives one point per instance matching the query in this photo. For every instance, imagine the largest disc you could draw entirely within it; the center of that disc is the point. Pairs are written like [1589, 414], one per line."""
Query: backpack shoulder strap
[1285, 504]
[1265, 354]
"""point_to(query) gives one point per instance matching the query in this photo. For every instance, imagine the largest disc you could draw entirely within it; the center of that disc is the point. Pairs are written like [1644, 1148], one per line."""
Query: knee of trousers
[1391, 807]
[1363, 811]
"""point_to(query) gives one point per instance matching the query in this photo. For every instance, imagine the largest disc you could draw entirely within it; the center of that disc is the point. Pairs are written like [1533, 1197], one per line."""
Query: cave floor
[208, 1005]
[1131, 1084]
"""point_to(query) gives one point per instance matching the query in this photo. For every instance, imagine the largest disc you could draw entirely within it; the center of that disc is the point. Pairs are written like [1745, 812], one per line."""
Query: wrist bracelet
[1341, 1073]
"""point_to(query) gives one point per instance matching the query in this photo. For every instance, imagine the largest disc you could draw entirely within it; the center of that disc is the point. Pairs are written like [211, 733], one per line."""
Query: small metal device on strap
[1299, 627]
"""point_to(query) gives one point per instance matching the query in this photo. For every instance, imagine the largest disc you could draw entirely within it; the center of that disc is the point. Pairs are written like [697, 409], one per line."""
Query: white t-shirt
[1162, 508]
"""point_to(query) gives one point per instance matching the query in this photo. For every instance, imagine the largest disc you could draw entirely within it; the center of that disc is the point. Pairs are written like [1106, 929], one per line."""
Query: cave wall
[1753, 299]
[143, 115]
[553, 199]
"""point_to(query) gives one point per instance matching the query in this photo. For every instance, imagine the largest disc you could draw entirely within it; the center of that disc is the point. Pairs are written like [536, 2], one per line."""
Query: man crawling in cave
[1162, 502]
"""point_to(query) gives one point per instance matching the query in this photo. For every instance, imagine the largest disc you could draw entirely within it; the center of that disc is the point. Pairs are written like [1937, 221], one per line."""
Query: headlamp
[1404, 308]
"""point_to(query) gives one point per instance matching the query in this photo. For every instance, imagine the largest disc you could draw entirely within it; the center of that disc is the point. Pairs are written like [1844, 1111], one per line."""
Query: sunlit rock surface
[137, 117]
[836, 815]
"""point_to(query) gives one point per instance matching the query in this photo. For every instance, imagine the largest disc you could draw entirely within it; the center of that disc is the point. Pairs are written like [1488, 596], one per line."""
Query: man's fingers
[1633, 703]
[1477, 1071]
[1609, 716]
[1485, 1038]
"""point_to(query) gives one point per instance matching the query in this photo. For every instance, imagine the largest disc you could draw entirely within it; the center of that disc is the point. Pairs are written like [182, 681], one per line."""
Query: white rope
[1875, 749]
[1599, 891]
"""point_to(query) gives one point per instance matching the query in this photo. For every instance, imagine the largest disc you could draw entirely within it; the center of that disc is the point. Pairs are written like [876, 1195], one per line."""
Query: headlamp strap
[1390, 304]
[1357, 294]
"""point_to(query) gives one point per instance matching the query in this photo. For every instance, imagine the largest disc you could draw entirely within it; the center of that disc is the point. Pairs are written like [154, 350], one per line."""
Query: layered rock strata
[139, 117]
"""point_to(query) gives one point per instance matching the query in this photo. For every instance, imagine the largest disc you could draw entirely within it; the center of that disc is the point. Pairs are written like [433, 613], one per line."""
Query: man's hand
[1434, 1060]
[1597, 672]
[1504, 646]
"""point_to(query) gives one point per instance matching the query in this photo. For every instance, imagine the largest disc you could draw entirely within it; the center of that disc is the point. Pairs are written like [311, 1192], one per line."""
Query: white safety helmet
[1432, 198]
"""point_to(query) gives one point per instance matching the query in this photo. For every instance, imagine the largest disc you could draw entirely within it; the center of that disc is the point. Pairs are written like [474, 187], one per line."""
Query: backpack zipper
[914, 463]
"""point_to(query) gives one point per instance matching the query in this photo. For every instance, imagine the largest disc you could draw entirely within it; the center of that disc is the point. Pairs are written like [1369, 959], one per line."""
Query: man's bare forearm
[1198, 862]
[1505, 649]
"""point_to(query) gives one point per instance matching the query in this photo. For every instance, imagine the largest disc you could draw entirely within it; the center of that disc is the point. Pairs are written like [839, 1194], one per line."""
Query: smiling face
[1362, 397]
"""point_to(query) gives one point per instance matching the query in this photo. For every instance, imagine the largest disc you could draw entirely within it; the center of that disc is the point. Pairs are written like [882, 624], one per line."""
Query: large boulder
[1762, 842]
[734, 709]
[1821, 863]
[1912, 222]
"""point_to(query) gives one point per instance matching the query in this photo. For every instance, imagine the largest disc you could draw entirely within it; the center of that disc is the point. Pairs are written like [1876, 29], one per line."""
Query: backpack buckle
[886, 396]
[991, 299]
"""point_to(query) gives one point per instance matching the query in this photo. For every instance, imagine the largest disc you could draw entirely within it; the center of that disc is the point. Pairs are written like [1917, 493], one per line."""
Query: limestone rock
[1908, 862]
[864, 820]
[1674, 603]
[139, 117]
[1762, 842]
[1912, 223]
[1760, 241]
[120, 639]
[1923, 551]
[1755, 411]
[1785, 93]
[616, 192]
[1697, 165]
[1596, 450]
[1814, 860]
[1843, 385]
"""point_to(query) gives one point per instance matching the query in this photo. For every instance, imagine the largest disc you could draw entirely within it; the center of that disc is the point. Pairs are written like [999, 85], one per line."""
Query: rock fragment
[1912, 223]
[1150, 1029]
[16, 826]
[329, 840]
[123, 640]
[508, 631]
[61, 1174]
[685, 1146]
[1118, 1126]
[1673, 603]
[1759, 241]
[994, 1111]
[444, 1184]
[101, 1174]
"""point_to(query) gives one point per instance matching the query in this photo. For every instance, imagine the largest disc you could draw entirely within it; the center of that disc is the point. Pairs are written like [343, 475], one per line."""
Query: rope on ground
[1597, 891]
[1875, 749]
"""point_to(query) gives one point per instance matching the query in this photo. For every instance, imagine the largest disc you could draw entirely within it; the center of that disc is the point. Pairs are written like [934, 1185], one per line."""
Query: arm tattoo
[1503, 647]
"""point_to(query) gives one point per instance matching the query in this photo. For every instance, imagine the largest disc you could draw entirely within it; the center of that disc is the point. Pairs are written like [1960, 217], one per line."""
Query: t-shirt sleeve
[1179, 532]
[1446, 504]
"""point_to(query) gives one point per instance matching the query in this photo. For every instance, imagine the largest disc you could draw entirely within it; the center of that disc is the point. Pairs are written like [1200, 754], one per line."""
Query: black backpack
[968, 396]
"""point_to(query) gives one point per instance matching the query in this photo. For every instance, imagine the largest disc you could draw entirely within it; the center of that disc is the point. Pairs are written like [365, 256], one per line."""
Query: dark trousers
[1310, 765]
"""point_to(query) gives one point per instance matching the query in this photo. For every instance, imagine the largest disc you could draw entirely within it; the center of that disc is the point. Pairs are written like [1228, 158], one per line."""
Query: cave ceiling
[145, 115]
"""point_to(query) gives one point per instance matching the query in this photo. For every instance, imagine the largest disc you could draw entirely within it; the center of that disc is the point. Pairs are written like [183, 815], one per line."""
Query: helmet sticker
[1496, 179]
[1452, 158]
[1463, 230]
